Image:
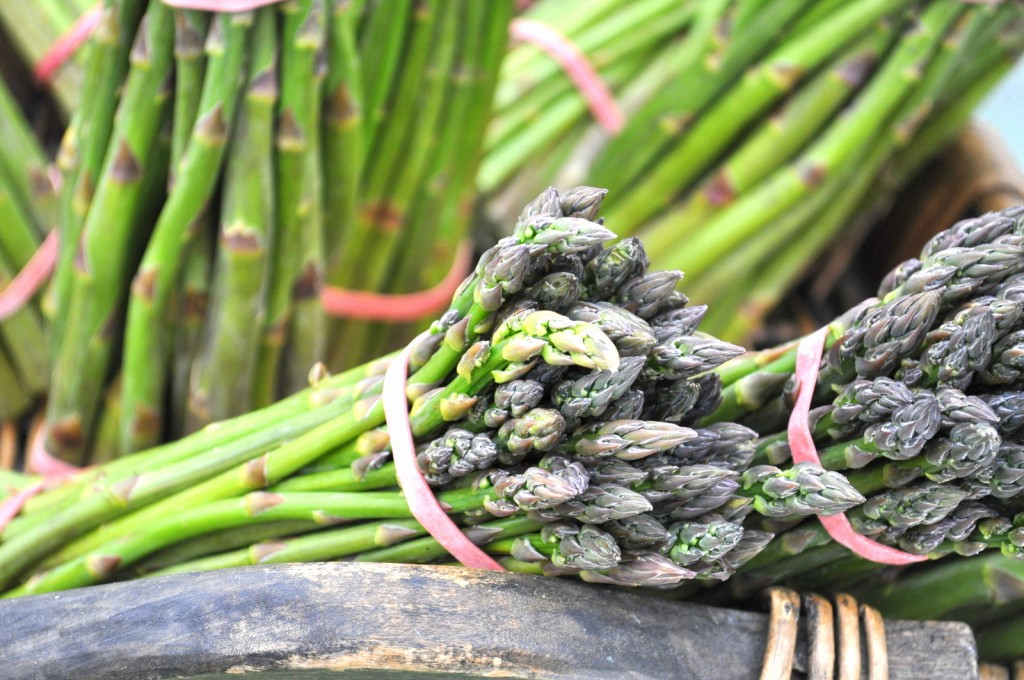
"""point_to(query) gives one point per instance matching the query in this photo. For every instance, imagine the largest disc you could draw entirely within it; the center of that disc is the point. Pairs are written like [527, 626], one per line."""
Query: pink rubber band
[801, 446]
[12, 505]
[70, 42]
[575, 64]
[421, 500]
[360, 304]
[42, 463]
[32, 276]
[220, 5]
[66, 45]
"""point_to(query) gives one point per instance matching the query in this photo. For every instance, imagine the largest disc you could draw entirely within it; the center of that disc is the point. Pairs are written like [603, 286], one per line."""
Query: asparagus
[304, 24]
[221, 376]
[158, 272]
[99, 272]
[758, 90]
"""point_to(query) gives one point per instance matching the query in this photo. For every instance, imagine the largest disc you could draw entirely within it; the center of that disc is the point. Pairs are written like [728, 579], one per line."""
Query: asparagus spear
[84, 152]
[784, 187]
[672, 110]
[220, 380]
[343, 140]
[145, 350]
[99, 272]
[771, 79]
[304, 24]
[539, 334]
[803, 114]
[384, 211]
[23, 162]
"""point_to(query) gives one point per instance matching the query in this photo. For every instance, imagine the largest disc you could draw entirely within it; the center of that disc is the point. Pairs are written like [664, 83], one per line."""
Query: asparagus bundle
[744, 155]
[555, 405]
[223, 168]
[918, 404]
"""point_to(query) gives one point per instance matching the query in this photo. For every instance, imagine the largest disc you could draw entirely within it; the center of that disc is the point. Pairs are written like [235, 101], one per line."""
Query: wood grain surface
[380, 621]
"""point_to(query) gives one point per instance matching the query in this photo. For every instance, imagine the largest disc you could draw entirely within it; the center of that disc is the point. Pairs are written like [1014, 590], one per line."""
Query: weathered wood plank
[395, 621]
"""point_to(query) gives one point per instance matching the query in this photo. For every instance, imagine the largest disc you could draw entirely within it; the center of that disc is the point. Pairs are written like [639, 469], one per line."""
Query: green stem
[90, 310]
[221, 377]
[145, 349]
[788, 185]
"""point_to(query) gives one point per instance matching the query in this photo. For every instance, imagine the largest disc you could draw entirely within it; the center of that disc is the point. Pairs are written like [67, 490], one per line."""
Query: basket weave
[845, 640]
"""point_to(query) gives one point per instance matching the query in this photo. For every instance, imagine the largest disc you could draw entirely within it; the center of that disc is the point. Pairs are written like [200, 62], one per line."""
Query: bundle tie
[67, 44]
[422, 502]
[52, 470]
[27, 282]
[576, 65]
[801, 446]
[72, 40]
[397, 307]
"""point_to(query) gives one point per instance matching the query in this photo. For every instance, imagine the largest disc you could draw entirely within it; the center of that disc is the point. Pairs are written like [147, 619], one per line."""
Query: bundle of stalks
[574, 421]
[555, 408]
[756, 133]
[919, 405]
[224, 168]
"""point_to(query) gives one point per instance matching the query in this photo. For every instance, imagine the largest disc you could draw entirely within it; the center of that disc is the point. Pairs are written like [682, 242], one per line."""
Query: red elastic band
[421, 500]
[220, 5]
[801, 446]
[360, 304]
[28, 281]
[12, 505]
[575, 64]
[40, 461]
[67, 44]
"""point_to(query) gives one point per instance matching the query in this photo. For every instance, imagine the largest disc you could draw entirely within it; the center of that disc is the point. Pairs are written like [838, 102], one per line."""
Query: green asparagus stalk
[24, 164]
[190, 29]
[304, 24]
[145, 350]
[99, 271]
[220, 541]
[802, 116]
[220, 381]
[191, 305]
[84, 149]
[440, 220]
[558, 339]
[330, 508]
[383, 37]
[266, 423]
[878, 101]
[343, 141]
[382, 214]
[674, 109]
[949, 587]
[779, 277]
[506, 153]
[774, 76]
[306, 335]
